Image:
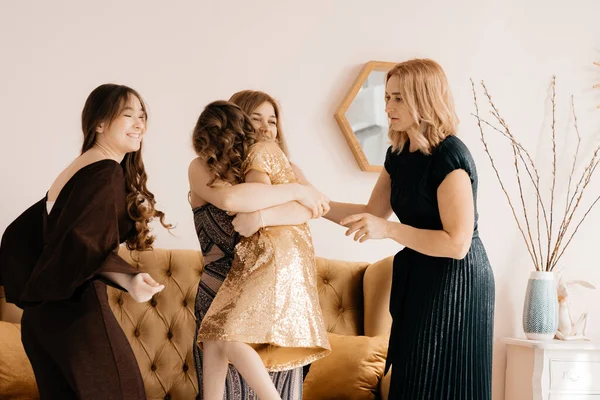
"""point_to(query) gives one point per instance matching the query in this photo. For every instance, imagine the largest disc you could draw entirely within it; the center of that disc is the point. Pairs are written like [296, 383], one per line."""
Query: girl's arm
[291, 213]
[249, 197]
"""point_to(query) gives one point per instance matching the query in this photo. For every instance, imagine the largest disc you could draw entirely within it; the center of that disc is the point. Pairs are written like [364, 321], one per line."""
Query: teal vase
[540, 311]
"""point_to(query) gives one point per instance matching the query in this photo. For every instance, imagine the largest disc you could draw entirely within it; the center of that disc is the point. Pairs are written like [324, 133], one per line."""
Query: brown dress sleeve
[84, 239]
[21, 246]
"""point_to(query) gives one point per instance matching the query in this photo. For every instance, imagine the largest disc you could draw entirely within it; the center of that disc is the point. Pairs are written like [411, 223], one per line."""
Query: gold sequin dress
[269, 298]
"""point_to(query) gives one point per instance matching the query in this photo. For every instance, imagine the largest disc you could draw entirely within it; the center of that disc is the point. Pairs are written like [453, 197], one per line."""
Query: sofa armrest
[8, 311]
[384, 385]
[377, 286]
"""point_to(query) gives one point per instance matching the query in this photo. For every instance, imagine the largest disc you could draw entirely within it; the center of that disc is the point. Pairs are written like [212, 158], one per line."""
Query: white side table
[552, 370]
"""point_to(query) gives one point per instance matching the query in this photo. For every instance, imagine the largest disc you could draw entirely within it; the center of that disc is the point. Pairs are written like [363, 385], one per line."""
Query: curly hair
[104, 104]
[223, 136]
[424, 87]
[249, 100]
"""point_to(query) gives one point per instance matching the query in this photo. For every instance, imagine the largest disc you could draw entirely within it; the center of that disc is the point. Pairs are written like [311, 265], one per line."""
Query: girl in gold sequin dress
[269, 298]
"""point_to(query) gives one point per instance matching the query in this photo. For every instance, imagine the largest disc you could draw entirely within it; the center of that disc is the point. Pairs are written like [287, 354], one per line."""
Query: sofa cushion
[362, 360]
[16, 375]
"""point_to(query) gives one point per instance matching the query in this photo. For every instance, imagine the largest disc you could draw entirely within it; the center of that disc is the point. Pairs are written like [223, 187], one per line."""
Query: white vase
[540, 311]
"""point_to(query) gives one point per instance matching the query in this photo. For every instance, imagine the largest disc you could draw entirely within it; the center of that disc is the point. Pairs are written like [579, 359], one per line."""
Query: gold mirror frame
[340, 114]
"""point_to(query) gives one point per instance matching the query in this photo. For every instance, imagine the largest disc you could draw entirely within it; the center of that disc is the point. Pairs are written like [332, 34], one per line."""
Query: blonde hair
[424, 89]
[250, 100]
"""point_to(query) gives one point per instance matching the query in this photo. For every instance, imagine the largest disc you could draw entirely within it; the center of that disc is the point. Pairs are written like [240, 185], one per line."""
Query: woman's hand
[313, 199]
[247, 224]
[366, 226]
[142, 287]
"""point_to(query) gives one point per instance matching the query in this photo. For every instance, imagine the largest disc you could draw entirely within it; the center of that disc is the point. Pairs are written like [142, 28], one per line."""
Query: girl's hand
[313, 199]
[366, 226]
[143, 287]
[247, 224]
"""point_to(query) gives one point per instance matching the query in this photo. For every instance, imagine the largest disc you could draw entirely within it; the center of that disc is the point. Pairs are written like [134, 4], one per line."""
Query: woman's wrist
[298, 191]
[121, 279]
[390, 229]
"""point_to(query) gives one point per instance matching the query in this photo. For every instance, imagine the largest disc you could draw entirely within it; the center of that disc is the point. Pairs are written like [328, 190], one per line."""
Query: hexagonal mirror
[362, 116]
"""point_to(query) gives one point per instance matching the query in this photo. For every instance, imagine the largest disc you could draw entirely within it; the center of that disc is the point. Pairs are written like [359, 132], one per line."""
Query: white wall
[305, 53]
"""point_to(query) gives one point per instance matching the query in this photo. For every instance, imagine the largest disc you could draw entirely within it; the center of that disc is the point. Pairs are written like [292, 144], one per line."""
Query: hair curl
[223, 136]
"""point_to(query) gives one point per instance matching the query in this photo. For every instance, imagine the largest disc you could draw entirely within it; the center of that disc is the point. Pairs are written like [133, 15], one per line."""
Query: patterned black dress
[217, 240]
[442, 308]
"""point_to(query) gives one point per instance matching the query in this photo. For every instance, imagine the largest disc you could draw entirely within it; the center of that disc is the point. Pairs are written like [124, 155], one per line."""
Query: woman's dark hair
[103, 105]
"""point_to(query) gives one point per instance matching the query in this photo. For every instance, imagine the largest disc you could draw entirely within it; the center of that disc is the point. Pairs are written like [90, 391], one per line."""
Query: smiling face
[264, 119]
[125, 132]
[396, 108]
[264, 113]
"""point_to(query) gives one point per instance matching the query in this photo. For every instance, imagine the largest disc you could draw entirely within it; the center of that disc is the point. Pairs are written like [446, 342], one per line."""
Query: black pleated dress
[442, 308]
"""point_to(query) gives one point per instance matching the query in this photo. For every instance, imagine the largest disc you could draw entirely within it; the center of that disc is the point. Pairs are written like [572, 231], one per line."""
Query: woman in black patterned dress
[215, 191]
[442, 300]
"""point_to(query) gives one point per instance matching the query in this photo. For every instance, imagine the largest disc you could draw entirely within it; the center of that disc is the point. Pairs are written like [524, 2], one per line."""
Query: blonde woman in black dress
[442, 300]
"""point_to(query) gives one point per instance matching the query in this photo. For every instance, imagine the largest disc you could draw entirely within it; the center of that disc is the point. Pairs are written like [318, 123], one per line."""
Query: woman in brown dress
[57, 257]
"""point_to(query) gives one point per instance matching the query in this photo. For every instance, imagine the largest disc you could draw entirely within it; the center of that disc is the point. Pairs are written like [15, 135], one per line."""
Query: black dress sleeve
[451, 154]
[84, 241]
[387, 164]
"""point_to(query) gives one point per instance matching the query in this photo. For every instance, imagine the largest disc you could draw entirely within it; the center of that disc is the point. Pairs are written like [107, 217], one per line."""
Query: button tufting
[185, 303]
[136, 333]
[153, 367]
[153, 302]
[168, 397]
[185, 367]
[169, 272]
[120, 301]
[170, 335]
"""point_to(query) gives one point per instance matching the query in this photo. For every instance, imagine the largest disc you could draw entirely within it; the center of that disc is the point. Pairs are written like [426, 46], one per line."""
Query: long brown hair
[249, 100]
[425, 90]
[223, 136]
[103, 105]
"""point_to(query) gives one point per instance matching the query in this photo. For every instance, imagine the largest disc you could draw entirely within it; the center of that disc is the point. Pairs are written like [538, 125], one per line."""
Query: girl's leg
[247, 361]
[214, 370]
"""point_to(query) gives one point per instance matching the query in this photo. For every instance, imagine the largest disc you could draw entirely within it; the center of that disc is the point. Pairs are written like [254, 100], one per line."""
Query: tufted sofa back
[161, 331]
